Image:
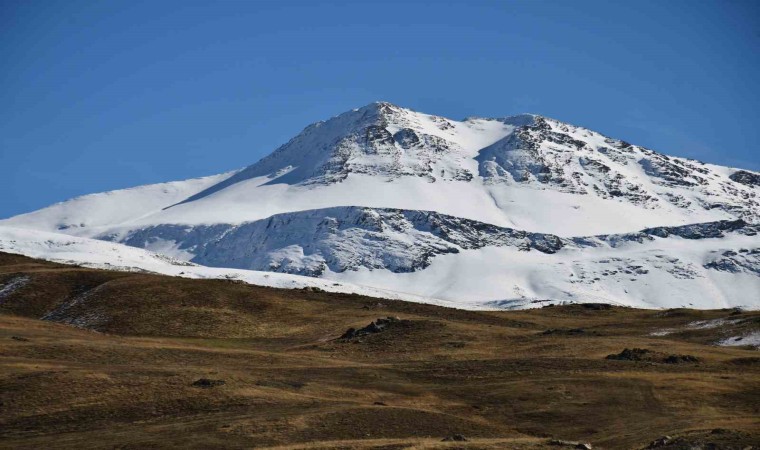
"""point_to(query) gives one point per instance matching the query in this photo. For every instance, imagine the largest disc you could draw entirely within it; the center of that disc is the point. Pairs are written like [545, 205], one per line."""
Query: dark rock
[380, 404]
[207, 383]
[660, 442]
[349, 334]
[745, 177]
[666, 172]
[635, 354]
[377, 136]
[597, 306]
[733, 262]
[19, 338]
[406, 138]
[564, 331]
[680, 359]
[377, 326]
[455, 438]
[706, 230]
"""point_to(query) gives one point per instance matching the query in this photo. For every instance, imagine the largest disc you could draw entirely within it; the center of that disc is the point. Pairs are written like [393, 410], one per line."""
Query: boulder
[377, 326]
[206, 383]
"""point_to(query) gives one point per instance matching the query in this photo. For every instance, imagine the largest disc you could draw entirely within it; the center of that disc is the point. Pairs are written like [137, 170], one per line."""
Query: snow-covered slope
[97, 254]
[80, 215]
[390, 197]
[526, 172]
[714, 264]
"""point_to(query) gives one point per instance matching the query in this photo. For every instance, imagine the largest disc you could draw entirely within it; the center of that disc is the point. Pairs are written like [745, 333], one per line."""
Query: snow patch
[751, 339]
[709, 324]
[12, 285]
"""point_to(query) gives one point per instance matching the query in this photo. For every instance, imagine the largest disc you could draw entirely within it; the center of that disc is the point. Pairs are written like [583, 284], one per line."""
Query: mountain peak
[377, 192]
[376, 108]
[379, 104]
[378, 113]
[528, 150]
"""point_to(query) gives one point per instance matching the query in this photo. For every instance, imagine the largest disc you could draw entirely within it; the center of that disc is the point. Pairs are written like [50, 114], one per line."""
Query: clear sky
[100, 95]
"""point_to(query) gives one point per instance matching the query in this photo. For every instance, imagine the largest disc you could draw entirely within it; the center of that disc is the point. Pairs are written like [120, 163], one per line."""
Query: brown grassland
[113, 366]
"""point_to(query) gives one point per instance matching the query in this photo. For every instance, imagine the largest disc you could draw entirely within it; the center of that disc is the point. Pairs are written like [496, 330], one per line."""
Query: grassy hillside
[115, 361]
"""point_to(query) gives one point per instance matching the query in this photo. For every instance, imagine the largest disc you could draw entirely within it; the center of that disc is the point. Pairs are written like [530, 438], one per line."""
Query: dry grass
[496, 378]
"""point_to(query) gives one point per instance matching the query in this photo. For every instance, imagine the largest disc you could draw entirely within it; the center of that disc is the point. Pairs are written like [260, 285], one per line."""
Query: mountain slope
[715, 264]
[506, 379]
[382, 196]
[98, 254]
[80, 215]
[522, 171]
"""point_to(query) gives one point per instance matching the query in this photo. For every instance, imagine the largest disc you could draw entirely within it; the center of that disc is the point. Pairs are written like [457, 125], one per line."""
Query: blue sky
[107, 95]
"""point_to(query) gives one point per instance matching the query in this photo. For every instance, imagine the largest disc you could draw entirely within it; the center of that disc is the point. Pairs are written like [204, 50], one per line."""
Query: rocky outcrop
[352, 238]
[376, 326]
[339, 239]
[743, 260]
[695, 231]
[632, 354]
[746, 178]
[548, 154]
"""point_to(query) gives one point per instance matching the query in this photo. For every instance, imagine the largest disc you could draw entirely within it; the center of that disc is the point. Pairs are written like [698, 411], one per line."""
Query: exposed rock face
[736, 261]
[548, 154]
[377, 326]
[632, 354]
[746, 177]
[351, 238]
[692, 231]
[340, 239]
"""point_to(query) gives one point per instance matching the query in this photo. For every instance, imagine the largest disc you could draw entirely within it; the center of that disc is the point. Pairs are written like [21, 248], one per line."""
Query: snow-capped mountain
[392, 198]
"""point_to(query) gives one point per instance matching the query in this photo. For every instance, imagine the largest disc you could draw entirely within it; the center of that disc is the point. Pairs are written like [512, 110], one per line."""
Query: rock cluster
[631, 354]
[377, 326]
